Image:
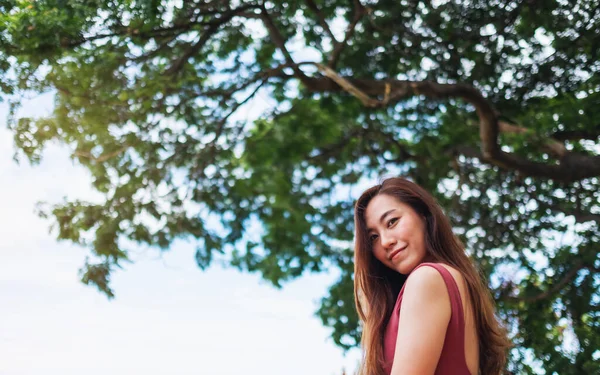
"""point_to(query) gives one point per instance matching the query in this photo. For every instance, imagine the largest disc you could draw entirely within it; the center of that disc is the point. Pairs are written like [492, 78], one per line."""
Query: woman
[423, 305]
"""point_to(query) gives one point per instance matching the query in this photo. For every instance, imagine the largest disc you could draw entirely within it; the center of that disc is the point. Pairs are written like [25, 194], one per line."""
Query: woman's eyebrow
[386, 214]
[382, 218]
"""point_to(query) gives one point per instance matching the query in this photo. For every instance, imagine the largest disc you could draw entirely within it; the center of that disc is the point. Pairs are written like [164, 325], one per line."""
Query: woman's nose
[387, 241]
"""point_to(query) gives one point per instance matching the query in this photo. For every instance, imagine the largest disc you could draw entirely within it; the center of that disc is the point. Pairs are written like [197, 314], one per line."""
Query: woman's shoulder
[457, 274]
[446, 284]
[430, 271]
[425, 287]
[426, 278]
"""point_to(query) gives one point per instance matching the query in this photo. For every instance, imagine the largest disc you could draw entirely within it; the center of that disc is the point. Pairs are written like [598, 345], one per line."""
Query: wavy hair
[376, 286]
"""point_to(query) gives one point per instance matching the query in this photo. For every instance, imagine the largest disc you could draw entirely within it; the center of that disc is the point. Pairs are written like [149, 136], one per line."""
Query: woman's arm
[424, 318]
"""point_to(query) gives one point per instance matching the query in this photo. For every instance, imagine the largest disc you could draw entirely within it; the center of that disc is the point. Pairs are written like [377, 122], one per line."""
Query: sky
[168, 317]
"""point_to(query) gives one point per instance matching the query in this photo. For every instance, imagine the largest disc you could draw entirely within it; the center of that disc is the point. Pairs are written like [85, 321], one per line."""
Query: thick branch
[551, 145]
[348, 86]
[396, 90]
[575, 135]
[572, 167]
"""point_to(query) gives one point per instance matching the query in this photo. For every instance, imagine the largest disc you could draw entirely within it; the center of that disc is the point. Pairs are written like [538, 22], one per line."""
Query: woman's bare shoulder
[431, 272]
[453, 271]
[425, 279]
[458, 276]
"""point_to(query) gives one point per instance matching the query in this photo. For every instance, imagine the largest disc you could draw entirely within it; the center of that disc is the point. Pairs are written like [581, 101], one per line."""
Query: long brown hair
[376, 286]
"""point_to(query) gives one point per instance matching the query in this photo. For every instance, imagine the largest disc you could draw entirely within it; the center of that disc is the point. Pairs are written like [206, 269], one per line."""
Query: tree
[492, 105]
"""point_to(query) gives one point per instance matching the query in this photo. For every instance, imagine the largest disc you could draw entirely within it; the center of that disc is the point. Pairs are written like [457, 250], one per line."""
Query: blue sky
[168, 317]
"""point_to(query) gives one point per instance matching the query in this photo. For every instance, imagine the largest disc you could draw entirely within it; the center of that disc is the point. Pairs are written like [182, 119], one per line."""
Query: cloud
[168, 317]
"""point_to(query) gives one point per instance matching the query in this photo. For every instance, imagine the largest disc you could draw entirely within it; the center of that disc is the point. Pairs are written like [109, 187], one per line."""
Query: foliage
[493, 105]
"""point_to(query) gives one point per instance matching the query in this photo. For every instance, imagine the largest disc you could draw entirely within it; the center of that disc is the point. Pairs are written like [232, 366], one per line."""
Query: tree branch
[102, 158]
[235, 107]
[208, 33]
[558, 286]
[551, 145]
[579, 215]
[359, 11]
[575, 135]
[563, 172]
[154, 52]
[572, 166]
[128, 31]
[212, 146]
[311, 4]
[227, 92]
[334, 148]
[347, 85]
[279, 41]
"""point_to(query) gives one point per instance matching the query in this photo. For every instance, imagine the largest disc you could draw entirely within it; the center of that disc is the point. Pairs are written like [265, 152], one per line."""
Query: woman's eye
[392, 221]
[373, 237]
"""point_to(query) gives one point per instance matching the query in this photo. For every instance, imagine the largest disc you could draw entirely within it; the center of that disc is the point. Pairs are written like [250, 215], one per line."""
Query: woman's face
[396, 233]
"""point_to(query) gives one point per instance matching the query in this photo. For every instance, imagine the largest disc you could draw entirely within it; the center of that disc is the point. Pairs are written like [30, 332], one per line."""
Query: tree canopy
[494, 106]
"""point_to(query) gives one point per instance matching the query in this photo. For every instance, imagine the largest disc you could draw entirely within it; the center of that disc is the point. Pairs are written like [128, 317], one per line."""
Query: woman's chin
[406, 266]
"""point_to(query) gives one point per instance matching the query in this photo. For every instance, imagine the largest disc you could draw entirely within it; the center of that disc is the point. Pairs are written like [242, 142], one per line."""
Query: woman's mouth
[396, 252]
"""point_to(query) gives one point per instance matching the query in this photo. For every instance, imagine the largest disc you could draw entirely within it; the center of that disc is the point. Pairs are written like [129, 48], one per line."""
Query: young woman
[423, 305]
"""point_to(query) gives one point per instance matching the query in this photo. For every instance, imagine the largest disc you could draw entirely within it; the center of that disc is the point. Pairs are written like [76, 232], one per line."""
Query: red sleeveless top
[452, 360]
